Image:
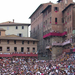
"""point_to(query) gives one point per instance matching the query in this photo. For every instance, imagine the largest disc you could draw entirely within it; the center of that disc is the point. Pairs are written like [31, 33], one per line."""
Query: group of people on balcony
[20, 53]
[55, 31]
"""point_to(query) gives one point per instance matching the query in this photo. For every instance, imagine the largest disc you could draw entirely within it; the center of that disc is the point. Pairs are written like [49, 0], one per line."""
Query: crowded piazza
[63, 65]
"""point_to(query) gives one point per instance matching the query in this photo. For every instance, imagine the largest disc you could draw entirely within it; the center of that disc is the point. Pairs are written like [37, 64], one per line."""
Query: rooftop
[12, 23]
[14, 37]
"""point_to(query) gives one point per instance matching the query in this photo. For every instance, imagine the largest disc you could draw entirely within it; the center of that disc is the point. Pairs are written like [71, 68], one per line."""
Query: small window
[7, 28]
[7, 41]
[33, 42]
[0, 33]
[28, 42]
[0, 48]
[8, 48]
[14, 41]
[33, 49]
[22, 27]
[20, 35]
[28, 50]
[16, 27]
[22, 42]
[55, 9]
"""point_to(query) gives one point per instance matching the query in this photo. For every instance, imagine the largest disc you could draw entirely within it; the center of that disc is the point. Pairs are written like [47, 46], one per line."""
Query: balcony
[66, 42]
[54, 34]
[66, 50]
[62, 44]
[56, 44]
[18, 54]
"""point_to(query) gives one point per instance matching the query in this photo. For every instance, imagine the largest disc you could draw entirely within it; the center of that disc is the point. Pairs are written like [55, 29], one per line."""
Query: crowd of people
[63, 65]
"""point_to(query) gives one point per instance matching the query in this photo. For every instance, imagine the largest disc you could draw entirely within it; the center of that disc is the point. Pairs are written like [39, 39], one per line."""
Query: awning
[73, 50]
[12, 55]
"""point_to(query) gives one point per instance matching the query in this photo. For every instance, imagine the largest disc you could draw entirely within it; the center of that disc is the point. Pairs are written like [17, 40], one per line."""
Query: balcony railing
[18, 54]
[56, 44]
[66, 50]
[66, 42]
[62, 44]
[54, 34]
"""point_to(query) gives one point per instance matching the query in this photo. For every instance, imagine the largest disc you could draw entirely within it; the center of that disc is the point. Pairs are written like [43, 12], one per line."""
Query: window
[0, 33]
[0, 48]
[22, 42]
[33, 49]
[15, 49]
[7, 28]
[33, 42]
[50, 19]
[55, 9]
[55, 20]
[28, 42]
[16, 27]
[22, 49]
[14, 41]
[22, 27]
[8, 48]
[0, 41]
[62, 20]
[49, 10]
[70, 17]
[20, 35]
[28, 50]
[7, 41]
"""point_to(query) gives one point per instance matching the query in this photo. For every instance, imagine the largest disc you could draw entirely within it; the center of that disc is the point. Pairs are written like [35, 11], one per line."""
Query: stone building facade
[19, 29]
[10, 44]
[56, 24]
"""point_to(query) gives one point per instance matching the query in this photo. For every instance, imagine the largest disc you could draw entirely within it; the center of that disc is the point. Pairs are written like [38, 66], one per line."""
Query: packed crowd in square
[63, 65]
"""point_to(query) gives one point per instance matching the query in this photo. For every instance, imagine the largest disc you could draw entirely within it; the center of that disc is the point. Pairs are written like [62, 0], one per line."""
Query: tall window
[14, 41]
[22, 49]
[7, 41]
[55, 20]
[50, 19]
[15, 49]
[28, 42]
[22, 42]
[8, 48]
[16, 27]
[0, 33]
[0, 48]
[33, 42]
[28, 50]
[33, 49]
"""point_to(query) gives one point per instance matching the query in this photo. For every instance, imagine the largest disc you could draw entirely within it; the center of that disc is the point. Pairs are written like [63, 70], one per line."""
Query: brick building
[53, 25]
[12, 45]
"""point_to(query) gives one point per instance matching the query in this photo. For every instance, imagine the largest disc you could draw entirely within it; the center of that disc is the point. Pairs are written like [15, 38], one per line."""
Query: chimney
[13, 20]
